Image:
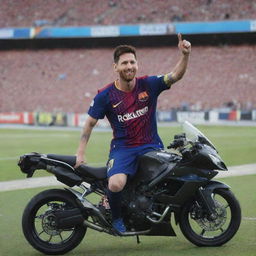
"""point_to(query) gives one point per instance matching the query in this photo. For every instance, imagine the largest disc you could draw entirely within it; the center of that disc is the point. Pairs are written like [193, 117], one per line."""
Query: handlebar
[179, 141]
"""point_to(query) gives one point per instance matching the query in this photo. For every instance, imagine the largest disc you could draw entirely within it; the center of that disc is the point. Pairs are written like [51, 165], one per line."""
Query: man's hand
[79, 160]
[184, 45]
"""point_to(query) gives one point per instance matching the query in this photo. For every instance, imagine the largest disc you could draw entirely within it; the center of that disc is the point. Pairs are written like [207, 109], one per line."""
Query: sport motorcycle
[176, 183]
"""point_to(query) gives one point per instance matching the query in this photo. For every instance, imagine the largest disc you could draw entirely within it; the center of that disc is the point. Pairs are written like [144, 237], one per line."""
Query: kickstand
[138, 239]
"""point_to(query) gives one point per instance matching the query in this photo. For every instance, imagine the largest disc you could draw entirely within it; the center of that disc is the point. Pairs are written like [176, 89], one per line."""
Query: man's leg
[116, 184]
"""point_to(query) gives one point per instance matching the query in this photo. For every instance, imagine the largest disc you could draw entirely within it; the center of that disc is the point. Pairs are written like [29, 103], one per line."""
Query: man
[129, 103]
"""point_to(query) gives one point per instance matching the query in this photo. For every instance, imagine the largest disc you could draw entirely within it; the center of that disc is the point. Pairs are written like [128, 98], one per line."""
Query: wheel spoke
[202, 232]
[212, 230]
[61, 237]
[50, 238]
[41, 233]
[42, 226]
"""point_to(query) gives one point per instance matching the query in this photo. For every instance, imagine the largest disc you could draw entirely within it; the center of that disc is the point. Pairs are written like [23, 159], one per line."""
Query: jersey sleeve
[98, 107]
[157, 84]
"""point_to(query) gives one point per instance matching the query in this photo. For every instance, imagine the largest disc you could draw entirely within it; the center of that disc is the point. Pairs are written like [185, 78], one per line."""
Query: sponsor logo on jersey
[133, 115]
[117, 104]
[143, 96]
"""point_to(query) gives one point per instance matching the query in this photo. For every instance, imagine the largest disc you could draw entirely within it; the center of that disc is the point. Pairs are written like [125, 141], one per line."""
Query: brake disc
[49, 224]
[213, 225]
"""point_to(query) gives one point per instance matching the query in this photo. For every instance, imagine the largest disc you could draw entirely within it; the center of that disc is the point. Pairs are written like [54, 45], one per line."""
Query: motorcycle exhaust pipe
[95, 211]
[100, 229]
[93, 226]
[160, 216]
[68, 218]
[88, 205]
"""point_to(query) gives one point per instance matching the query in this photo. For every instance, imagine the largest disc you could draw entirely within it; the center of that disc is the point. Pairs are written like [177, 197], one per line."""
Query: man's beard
[127, 78]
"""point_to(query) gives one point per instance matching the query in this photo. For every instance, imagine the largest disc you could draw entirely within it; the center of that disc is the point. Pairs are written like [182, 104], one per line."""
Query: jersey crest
[143, 96]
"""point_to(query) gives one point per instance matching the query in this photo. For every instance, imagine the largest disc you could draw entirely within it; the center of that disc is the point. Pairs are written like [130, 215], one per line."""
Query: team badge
[110, 164]
[143, 96]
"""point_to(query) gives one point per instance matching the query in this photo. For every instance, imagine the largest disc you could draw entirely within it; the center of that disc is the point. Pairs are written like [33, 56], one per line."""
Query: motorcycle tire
[38, 223]
[195, 229]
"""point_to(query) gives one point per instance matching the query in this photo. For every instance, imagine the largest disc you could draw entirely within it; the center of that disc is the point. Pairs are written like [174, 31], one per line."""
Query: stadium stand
[66, 80]
[26, 13]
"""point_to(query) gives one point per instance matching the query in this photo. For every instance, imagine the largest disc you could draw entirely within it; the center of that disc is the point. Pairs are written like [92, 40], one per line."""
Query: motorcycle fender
[206, 194]
[212, 185]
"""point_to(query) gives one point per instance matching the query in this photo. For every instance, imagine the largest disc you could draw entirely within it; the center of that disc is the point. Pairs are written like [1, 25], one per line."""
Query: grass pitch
[13, 243]
[236, 145]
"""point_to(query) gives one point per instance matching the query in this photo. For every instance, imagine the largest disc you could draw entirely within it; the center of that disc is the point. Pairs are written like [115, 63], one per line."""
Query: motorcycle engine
[137, 210]
[141, 203]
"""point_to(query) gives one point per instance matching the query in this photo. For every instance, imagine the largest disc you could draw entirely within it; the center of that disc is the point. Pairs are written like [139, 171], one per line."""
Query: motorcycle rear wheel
[202, 231]
[38, 223]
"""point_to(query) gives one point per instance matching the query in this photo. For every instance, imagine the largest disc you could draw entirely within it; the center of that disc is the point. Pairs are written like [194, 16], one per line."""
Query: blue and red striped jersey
[132, 115]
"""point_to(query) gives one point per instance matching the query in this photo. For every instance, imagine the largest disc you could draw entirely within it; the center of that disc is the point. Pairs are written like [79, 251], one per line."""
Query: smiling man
[129, 103]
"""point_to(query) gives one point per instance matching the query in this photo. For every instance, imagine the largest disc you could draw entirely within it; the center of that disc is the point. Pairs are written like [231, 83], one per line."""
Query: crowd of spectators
[27, 13]
[68, 79]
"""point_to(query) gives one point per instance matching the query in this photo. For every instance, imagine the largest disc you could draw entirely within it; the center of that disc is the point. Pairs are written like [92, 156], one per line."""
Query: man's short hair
[122, 49]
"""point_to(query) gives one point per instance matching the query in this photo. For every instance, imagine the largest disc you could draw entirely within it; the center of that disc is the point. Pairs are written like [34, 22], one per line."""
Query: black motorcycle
[177, 182]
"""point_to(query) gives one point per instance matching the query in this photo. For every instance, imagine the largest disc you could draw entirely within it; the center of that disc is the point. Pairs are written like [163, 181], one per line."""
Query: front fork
[206, 196]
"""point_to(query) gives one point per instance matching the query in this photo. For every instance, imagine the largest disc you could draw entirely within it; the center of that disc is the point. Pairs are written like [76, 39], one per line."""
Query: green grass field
[12, 242]
[236, 145]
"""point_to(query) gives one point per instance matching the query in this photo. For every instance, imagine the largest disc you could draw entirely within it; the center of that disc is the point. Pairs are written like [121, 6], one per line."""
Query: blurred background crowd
[66, 80]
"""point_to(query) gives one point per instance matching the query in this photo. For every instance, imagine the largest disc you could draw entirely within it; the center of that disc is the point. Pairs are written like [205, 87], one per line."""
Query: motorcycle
[177, 183]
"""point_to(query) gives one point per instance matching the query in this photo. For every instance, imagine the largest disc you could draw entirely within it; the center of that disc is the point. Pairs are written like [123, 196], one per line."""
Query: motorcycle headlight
[218, 162]
[215, 159]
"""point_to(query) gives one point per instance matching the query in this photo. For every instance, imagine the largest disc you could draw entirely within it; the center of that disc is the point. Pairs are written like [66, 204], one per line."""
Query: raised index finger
[179, 37]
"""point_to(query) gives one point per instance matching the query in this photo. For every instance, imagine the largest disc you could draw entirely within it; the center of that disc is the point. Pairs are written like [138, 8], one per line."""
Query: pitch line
[249, 218]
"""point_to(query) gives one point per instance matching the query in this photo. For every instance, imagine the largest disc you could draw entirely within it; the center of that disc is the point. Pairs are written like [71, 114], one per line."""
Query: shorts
[124, 160]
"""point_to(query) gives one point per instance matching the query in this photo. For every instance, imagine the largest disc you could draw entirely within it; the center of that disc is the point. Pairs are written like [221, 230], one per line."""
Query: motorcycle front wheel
[202, 230]
[39, 224]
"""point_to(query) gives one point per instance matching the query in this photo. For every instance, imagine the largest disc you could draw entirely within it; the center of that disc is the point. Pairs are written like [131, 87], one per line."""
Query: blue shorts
[124, 160]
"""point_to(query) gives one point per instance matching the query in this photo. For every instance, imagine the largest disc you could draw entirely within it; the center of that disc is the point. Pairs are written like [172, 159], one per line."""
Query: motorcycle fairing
[152, 165]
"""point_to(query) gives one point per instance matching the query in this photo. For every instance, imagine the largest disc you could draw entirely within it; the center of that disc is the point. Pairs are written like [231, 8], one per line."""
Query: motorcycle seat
[98, 173]
[71, 160]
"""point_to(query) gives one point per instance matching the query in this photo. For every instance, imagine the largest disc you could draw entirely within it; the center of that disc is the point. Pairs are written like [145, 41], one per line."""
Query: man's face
[126, 66]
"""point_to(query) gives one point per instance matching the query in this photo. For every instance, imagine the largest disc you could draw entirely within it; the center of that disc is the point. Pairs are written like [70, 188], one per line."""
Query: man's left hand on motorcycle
[79, 160]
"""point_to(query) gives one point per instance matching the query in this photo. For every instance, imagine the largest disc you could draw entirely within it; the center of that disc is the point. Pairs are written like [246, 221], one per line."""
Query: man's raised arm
[180, 68]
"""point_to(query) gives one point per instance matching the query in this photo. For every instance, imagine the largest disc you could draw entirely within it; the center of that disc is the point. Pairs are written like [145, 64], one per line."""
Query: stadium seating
[26, 13]
[67, 80]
